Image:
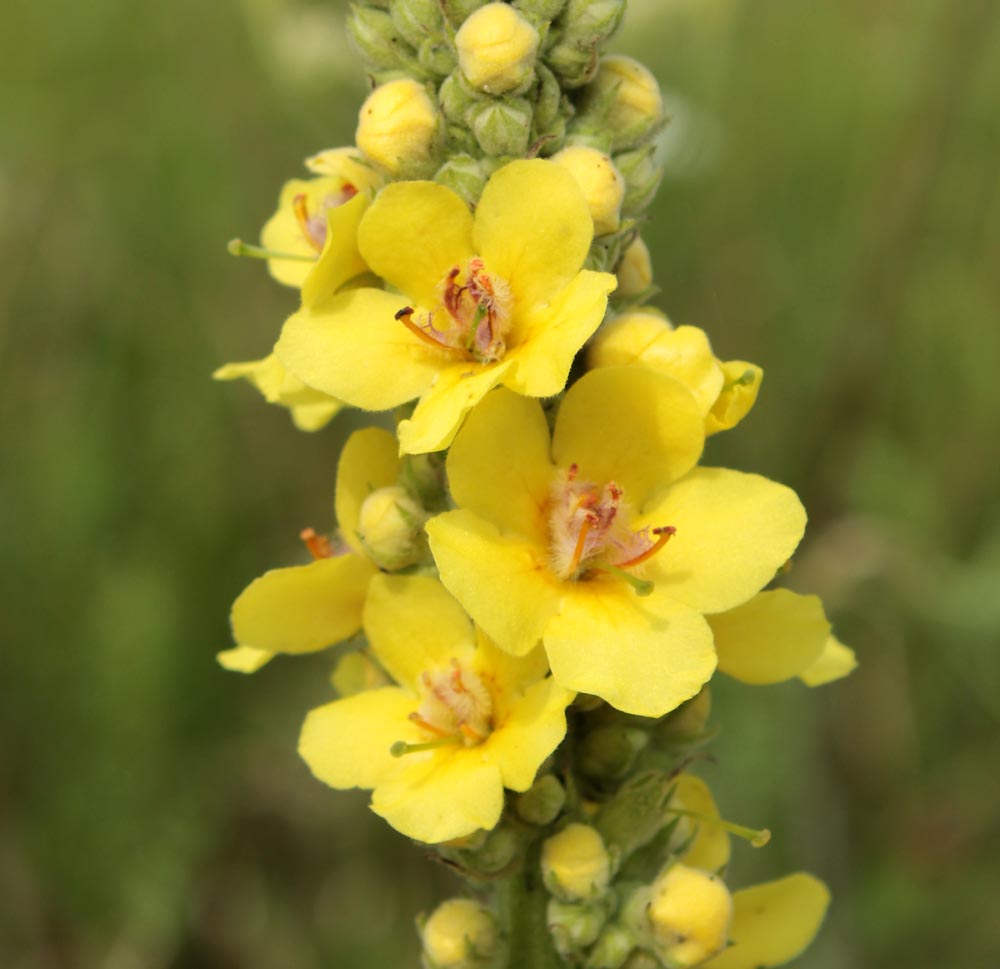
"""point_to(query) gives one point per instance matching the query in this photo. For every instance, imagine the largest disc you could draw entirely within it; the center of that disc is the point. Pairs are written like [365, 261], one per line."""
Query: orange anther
[663, 535]
[319, 545]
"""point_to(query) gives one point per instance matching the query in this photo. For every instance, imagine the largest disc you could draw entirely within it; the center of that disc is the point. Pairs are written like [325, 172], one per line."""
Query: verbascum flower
[779, 635]
[498, 299]
[398, 129]
[461, 934]
[773, 922]
[601, 183]
[304, 608]
[496, 49]
[725, 391]
[310, 242]
[465, 721]
[306, 218]
[606, 542]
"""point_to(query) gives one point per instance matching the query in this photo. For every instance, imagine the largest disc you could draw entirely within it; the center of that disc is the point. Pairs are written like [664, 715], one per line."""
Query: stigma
[590, 533]
[472, 316]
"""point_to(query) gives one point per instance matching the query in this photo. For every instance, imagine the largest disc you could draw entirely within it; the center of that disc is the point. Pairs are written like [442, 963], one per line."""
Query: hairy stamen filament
[663, 536]
[405, 316]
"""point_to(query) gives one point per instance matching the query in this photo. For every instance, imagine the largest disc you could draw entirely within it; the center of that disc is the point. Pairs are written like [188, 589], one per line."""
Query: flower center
[313, 224]
[472, 315]
[589, 531]
[457, 706]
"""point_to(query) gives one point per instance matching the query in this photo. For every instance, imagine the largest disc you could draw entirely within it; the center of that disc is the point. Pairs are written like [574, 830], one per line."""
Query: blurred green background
[831, 211]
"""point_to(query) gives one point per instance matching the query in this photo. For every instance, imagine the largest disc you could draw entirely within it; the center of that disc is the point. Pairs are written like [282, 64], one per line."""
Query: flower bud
[549, 99]
[497, 49]
[457, 11]
[540, 11]
[460, 934]
[436, 57]
[390, 524]
[457, 99]
[613, 947]
[416, 19]
[642, 175]
[689, 914]
[688, 721]
[635, 814]
[624, 101]
[574, 926]
[491, 854]
[379, 42]
[397, 129]
[635, 270]
[542, 802]
[610, 751]
[584, 26]
[503, 127]
[576, 865]
[464, 175]
[602, 184]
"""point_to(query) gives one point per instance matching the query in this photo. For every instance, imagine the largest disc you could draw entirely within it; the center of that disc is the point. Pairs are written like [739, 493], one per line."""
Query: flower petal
[533, 228]
[449, 795]
[243, 659]
[368, 461]
[632, 426]
[734, 531]
[773, 922]
[835, 662]
[413, 234]
[771, 638]
[499, 465]
[282, 233]
[413, 625]
[550, 335]
[355, 344]
[709, 849]
[340, 260]
[501, 581]
[346, 743]
[303, 608]
[456, 390]
[737, 397]
[644, 656]
[535, 726]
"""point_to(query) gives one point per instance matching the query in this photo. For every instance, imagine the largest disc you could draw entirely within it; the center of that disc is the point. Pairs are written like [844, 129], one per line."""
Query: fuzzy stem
[522, 903]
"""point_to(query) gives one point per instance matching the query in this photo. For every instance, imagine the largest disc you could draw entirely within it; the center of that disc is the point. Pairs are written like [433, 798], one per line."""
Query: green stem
[522, 903]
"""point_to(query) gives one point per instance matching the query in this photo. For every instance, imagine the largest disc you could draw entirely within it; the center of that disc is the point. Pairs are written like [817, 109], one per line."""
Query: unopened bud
[689, 913]
[688, 721]
[489, 855]
[610, 751]
[542, 802]
[584, 27]
[549, 99]
[390, 524]
[460, 934]
[503, 127]
[576, 865]
[623, 101]
[397, 129]
[613, 947]
[575, 925]
[457, 99]
[436, 56]
[635, 814]
[416, 19]
[378, 41]
[635, 270]
[602, 184]
[457, 11]
[540, 11]
[464, 175]
[642, 174]
[497, 49]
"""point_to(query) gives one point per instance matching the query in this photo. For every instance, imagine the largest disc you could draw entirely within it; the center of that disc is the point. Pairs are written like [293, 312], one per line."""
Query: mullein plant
[528, 584]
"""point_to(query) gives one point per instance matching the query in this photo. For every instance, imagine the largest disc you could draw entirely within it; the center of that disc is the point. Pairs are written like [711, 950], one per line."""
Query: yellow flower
[725, 391]
[465, 721]
[327, 259]
[773, 922]
[313, 216]
[778, 635]
[397, 128]
[601, 183]
[496, 48]
[606, 543]
[304, 608]
[499, 299]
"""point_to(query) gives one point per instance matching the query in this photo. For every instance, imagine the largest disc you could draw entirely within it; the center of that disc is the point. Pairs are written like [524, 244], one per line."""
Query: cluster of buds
[530, 580]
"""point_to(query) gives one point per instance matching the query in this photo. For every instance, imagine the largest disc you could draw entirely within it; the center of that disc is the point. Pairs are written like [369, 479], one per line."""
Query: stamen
[405, 316]
[427, 725]
[663, 536]
[300, 206]
[237, 247]
[581, 540]
[756, 838]
[319, 545]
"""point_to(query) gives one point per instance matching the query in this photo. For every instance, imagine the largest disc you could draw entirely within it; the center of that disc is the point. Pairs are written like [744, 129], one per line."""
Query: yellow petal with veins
[369, 461]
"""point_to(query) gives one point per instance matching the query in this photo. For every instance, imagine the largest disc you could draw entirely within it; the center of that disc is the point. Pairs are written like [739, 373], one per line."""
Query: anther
[319, 546]
[663, 535]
